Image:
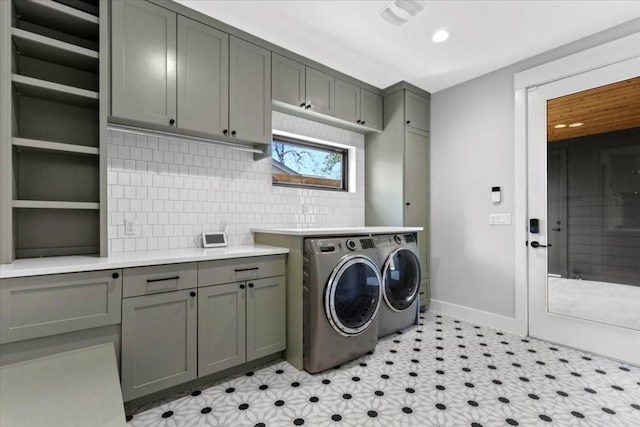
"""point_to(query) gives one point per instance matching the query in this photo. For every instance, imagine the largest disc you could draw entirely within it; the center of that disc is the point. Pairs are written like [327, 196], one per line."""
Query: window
[305, 164]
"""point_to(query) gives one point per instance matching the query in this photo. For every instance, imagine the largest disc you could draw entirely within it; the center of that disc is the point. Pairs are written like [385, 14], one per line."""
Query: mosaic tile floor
[444, 372]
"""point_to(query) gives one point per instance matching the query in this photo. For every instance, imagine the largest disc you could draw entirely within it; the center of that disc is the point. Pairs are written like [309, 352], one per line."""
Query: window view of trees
[307, 165]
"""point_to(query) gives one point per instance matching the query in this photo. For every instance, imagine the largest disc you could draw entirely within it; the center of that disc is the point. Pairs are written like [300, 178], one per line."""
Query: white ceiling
[350, 36]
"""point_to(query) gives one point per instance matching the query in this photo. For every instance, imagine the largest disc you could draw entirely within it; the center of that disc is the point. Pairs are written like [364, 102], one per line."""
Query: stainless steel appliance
[341, 297]
[400, 282]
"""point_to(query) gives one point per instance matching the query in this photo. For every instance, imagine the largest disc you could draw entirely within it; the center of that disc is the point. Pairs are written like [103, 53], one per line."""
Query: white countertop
[336, 231]
[72, 264]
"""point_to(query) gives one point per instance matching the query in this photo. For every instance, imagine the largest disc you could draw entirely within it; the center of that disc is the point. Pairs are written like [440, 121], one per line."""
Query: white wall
[175, 190]
[472, 149]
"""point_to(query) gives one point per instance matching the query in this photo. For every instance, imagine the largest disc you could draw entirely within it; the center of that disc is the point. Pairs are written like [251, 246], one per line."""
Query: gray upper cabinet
[249, 91]
[416, 111]
[371, 110]
[289, 80]
[143, 62]
[358, 105]
[220, 86]
[319, 92]
[159, 342]
[203, 74]
[347, 101]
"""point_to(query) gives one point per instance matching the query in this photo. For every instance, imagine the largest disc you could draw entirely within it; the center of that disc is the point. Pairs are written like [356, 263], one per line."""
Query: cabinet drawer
[239, 269]
[33, 307]
[159, 278]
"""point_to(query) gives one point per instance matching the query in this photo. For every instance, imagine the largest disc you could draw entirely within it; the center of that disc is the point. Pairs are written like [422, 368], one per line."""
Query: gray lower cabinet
[159, 342]
[240, 322]
[143, 68]
[39, 306]
[221, 327]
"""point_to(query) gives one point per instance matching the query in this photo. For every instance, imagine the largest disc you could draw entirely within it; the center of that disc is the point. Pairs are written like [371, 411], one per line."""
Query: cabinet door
[371, 109]
[266, 318]
[416, 191]
[203, 77]
[249, 91]
[416, 111]
[221, 327]
[159, 346]
[33, 307]
[320, 91]
[347, 101]
[288, 80]
[143, 62]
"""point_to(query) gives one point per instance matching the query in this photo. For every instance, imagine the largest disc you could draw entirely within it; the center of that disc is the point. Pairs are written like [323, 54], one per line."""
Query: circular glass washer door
[401, 279]
[353, 295]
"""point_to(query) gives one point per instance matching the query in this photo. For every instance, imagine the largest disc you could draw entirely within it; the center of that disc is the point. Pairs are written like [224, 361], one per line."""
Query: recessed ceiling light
[575, 125]
[440, 36]
[560, 126]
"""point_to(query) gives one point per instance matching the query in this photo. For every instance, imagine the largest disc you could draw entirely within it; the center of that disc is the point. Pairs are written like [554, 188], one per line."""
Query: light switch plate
[500, 219]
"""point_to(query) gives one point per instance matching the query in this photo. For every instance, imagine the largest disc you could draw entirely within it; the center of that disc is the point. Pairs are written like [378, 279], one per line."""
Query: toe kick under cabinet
[184, 321]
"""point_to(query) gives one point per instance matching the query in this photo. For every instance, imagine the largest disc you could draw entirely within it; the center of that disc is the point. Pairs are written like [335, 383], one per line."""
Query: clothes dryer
[342, 296]
[401, 272]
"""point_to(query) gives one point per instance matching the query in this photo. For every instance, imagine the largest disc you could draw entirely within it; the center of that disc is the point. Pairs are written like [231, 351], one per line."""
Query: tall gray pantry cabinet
[171, 72]
[53, 110]
[397, 169]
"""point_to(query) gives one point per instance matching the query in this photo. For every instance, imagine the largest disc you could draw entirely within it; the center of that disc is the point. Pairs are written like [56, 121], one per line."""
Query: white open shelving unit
[57, 133]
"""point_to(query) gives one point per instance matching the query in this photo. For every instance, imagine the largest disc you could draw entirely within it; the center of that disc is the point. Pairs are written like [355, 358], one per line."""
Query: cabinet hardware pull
[193, 294]
[115, 275]
[362, 122]
[408, 122]
[225, 131]
[307, 107]
[164, 279]
[251, 285]
[241, 286]
[237, 270]
[303, 104]
[408, 204]
[233, 132]
[172, 122]
[359, 121]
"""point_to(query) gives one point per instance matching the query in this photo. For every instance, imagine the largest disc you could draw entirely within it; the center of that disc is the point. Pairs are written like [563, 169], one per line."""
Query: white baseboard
[503, 323]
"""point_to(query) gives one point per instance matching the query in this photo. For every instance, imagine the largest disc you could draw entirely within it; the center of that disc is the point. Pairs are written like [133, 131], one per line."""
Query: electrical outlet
[129, 227]
[306, 209]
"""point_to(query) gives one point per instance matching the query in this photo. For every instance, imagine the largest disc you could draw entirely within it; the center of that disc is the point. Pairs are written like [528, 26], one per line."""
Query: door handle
[555, 229]
[535, 244]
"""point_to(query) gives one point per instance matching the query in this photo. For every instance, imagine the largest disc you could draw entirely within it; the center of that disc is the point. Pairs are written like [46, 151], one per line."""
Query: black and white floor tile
[444, 372]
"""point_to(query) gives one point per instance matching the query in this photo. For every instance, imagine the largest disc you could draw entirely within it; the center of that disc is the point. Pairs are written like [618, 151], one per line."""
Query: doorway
[583, 203]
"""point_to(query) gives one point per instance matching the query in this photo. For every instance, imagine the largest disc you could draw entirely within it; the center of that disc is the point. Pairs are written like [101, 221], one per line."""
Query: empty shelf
[36, 88]
[55, 51]
[57, 16]
[54, 146]
[42, 204]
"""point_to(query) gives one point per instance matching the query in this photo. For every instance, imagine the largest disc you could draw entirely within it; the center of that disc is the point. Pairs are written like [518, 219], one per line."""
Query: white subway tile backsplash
[175, 190]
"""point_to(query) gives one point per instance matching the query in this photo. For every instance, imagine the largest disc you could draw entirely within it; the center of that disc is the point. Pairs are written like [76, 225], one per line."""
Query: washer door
[401, 279]
[353, 295]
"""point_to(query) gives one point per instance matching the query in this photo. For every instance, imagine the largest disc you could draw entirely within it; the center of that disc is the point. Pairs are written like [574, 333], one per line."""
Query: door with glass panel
[584, 211]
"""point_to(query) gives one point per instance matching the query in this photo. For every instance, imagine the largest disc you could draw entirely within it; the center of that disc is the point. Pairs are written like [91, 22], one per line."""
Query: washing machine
[400, 282]
[342, 295]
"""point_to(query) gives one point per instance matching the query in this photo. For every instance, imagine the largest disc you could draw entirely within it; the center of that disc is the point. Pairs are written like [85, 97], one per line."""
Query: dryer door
[353, 295]
[401, 279]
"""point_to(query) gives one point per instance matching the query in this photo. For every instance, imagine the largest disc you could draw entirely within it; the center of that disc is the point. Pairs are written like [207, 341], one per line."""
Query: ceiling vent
[397, 12]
